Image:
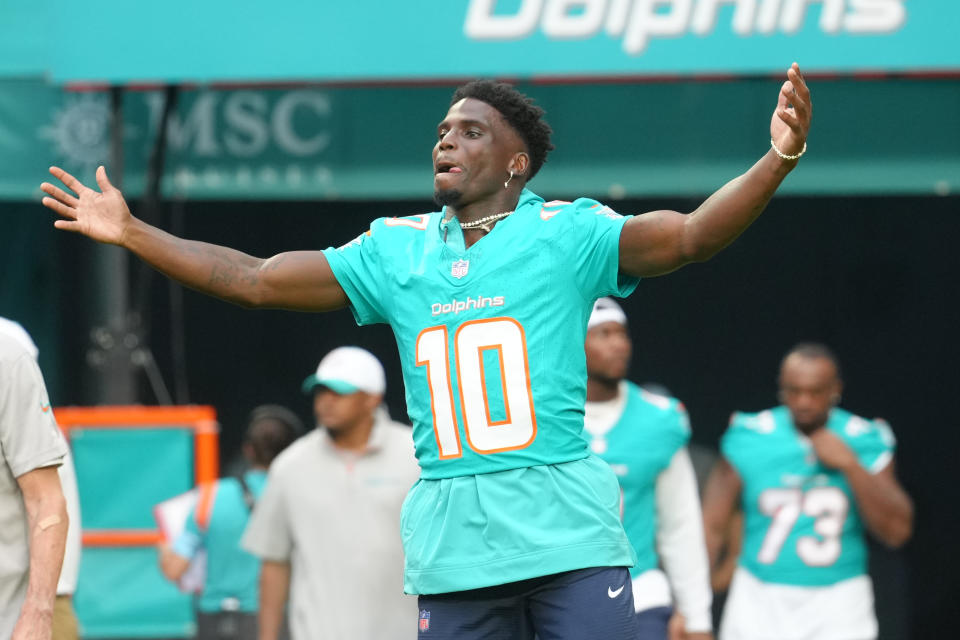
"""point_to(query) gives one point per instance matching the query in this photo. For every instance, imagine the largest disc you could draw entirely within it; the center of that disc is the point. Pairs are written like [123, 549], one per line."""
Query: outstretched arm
[298, 280]
[659, 242]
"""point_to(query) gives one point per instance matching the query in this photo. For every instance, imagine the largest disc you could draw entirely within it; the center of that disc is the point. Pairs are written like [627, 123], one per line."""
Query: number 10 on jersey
[504, 336]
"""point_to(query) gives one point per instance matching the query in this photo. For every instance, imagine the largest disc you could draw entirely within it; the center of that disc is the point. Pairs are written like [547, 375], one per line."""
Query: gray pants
[226, 625]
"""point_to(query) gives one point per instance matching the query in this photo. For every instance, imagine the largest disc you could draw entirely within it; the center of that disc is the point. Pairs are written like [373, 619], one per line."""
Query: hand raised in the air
[102, 216]
[791, 119]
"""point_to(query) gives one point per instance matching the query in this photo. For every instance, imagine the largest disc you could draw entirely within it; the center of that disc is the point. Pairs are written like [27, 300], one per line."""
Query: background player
[227, 606]
[643, 436]
[810, 477]
[488, 300]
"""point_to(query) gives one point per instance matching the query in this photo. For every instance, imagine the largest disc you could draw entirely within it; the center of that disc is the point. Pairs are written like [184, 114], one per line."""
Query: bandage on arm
[47, 523]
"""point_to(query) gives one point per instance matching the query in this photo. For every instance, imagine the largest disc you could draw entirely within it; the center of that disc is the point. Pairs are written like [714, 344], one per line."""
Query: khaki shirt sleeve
[29, 436]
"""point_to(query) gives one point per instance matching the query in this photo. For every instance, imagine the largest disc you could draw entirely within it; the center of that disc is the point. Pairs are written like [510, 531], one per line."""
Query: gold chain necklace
[484, 223]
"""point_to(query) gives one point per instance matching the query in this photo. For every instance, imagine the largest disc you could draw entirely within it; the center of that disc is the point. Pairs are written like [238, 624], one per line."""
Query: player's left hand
[791, 119]
[831, 450]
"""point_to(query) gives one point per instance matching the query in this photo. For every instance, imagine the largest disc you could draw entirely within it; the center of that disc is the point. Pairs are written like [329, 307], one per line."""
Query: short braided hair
[519, 111]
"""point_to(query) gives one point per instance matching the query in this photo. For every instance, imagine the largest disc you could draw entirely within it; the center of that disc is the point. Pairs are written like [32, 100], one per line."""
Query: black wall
[873, 277]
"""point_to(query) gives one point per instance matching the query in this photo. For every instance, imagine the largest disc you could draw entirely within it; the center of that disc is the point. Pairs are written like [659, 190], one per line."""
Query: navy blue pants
[654, 623]
[574, 605]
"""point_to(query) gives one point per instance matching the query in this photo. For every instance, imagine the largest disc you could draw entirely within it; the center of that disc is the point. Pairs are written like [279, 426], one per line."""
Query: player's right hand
[102, 216]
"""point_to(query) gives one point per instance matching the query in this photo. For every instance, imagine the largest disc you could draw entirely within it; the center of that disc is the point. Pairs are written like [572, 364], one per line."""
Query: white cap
[348, 370]
[13, 330]
[606, 310]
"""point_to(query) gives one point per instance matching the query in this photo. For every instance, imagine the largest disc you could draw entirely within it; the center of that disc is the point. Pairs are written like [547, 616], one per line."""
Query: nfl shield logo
[424, 620]
[459, 268]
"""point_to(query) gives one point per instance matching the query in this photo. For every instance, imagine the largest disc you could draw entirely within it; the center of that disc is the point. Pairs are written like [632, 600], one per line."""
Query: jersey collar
[452, 234]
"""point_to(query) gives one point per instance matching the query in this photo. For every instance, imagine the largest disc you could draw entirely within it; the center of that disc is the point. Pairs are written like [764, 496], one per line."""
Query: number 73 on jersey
[473, 343]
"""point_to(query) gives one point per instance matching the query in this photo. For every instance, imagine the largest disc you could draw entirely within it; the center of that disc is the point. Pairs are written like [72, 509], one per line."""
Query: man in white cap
[644, 436]
[327, 527]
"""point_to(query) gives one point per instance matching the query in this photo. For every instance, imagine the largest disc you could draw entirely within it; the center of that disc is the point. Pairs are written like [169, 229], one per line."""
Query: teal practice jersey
[491, 337]
[801, 525]
[638, 448]
[491, 345]
[231, 572]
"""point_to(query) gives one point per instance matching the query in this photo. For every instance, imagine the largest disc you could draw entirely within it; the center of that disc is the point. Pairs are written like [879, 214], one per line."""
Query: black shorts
[574, 605]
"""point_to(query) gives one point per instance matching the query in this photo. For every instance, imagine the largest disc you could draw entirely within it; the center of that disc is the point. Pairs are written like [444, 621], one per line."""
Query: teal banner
[613, 140]
[121, 474]
[370, 40]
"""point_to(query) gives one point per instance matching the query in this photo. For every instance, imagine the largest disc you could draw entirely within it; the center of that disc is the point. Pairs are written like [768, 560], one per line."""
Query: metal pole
[114, 336]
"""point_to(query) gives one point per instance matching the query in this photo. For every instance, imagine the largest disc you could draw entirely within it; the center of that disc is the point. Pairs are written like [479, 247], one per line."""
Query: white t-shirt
[29, 439]
[335, 517]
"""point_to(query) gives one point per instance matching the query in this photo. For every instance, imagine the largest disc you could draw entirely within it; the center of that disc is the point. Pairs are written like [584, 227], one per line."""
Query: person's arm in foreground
[274, 588]
[47, 529]
[659, 242]
[300, 280]
[884, 505]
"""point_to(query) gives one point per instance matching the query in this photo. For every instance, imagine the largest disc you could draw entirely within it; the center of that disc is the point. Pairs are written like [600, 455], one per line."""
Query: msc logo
[81, 131]
[638, 21]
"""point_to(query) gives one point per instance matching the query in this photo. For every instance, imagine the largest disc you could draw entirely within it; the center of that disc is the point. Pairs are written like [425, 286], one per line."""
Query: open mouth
[448, 167]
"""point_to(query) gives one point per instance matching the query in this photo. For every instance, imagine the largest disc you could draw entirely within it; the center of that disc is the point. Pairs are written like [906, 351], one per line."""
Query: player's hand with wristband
[102, 216]
[791, 119]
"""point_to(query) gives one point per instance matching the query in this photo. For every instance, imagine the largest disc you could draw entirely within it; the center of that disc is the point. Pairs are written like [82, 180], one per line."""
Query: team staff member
[810, 478]
[513, 527]
[227, 607]
[643, 436]
[328, 525]
[33, 512]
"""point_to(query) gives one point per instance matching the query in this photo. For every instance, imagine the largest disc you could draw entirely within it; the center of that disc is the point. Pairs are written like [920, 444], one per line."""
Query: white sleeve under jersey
[680, 542]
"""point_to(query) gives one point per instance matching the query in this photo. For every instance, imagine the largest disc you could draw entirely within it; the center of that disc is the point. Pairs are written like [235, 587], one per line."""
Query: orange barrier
[202, 419]
[121, 538]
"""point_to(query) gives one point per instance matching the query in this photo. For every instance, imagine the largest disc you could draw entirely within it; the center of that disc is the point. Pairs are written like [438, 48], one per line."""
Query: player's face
[473, 154]
[608, 349]
[342, 411]
[810, 388]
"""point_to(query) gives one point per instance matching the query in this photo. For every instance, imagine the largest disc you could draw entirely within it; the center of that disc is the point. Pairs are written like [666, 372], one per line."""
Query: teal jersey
[801, 522]
[650, 431]
[231, 571]
[491, 339]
